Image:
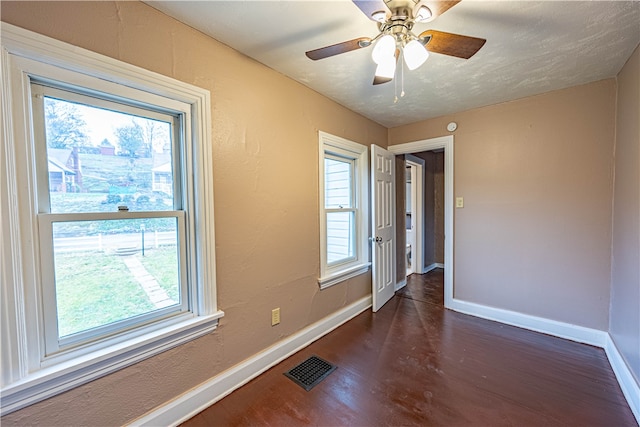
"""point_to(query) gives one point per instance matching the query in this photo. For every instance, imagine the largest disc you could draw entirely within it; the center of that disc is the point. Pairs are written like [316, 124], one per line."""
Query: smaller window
[344, 181]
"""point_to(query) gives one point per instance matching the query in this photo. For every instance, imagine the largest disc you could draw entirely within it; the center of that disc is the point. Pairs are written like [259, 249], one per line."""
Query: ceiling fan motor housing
[401, 20]
[402, 9]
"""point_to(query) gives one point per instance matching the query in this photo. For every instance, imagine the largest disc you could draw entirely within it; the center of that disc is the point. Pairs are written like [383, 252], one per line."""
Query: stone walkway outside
[156, 294]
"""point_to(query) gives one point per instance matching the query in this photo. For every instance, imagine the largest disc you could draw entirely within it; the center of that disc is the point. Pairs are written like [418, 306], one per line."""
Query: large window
[112, 249]
[344, 207]
[107, 250]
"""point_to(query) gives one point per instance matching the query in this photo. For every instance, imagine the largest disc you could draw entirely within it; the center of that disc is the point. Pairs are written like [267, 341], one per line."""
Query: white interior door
[383, 209]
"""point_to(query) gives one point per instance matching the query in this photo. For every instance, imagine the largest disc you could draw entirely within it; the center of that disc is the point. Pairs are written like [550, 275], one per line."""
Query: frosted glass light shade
[386, 68]
[379, 16]
[423, 14]
[414, 54]
[384, 49]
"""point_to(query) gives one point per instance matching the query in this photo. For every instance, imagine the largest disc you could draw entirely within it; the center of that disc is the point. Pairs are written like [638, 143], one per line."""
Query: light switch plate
[459, 202]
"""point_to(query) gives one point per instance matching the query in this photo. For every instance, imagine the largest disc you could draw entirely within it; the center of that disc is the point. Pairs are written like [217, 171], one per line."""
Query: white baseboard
[432, 267]
[628, 384]
[538, 324]
[401, 284]
[203, 396]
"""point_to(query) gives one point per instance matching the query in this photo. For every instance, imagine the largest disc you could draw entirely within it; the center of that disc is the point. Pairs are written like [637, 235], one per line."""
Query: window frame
[337, 147]
[27, 376]
[55, 345]
[352, 208]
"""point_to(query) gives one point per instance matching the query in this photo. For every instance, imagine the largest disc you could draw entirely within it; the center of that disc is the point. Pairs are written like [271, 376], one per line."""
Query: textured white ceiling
[532, 47]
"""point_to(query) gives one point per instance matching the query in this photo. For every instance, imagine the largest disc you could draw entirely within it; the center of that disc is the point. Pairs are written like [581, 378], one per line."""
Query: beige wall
[625, 277]
[534, 235]
[264, 129]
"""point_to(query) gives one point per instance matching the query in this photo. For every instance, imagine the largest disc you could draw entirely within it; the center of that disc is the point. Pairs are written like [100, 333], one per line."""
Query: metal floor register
[310, 372]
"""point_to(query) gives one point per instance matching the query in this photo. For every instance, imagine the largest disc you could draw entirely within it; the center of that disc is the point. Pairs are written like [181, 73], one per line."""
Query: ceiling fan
[395, 20]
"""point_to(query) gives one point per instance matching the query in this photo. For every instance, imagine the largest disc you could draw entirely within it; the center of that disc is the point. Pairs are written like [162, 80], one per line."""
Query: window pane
[338, 183]
[111, 270]
[99, 159]
[340, 236]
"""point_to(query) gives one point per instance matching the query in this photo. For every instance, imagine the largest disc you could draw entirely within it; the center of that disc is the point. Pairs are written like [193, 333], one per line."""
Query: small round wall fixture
[452, 126]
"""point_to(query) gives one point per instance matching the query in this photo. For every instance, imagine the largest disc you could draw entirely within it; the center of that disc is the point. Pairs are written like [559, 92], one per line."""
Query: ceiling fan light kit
[384, 49]
[415, 54]
[379, 16]
[395, 19]
[386, 69]
[423, 14]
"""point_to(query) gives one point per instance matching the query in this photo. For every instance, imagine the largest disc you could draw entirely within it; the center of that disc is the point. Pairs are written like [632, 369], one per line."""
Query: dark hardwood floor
[415, 363]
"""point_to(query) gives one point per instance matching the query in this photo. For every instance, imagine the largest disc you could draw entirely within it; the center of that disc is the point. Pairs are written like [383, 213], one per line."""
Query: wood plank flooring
[415, 363]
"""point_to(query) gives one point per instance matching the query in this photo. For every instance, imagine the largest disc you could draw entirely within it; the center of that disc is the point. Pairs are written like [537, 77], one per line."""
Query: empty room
[385, 212]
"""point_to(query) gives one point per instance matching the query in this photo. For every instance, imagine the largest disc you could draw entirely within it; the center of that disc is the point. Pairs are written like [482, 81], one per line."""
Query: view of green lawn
[128, 165]
[94, 289]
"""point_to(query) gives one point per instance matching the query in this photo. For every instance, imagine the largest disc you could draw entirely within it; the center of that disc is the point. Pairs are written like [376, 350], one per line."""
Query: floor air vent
[310, 372]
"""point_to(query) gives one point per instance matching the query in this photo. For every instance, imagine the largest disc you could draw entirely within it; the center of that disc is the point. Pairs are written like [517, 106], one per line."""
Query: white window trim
[331, 275]
[25, 380]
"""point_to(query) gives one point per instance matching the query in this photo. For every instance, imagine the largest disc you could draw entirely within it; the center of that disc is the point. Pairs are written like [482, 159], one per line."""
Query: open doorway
[410, 218]
[437, 250]
[424, 211]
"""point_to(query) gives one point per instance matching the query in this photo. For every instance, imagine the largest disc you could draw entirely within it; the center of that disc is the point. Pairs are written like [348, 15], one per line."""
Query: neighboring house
[107, 149]
[60, 177]
[162, 173]
[65, 172]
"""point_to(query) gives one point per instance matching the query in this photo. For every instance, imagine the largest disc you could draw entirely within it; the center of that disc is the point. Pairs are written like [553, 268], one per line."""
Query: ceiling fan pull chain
[395, 81]
[402, 78]
[395, 89]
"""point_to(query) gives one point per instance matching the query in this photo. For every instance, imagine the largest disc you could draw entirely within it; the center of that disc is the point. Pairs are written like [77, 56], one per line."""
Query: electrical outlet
[275, 316]
[459, 202]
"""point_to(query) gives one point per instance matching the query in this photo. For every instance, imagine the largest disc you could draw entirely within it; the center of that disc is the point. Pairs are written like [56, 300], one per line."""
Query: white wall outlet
[459, 202]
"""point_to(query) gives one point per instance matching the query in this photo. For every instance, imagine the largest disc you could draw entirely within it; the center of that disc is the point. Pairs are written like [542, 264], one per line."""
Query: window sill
[342, 275]
[53, 380]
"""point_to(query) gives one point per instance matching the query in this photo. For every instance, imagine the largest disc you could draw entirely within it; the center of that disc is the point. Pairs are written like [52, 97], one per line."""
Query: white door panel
[383, 203]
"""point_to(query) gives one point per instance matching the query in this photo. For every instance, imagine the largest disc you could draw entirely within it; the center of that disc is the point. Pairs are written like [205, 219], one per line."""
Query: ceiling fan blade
[338, 48]
[368, 7]
[452, 44]
[439, 7]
